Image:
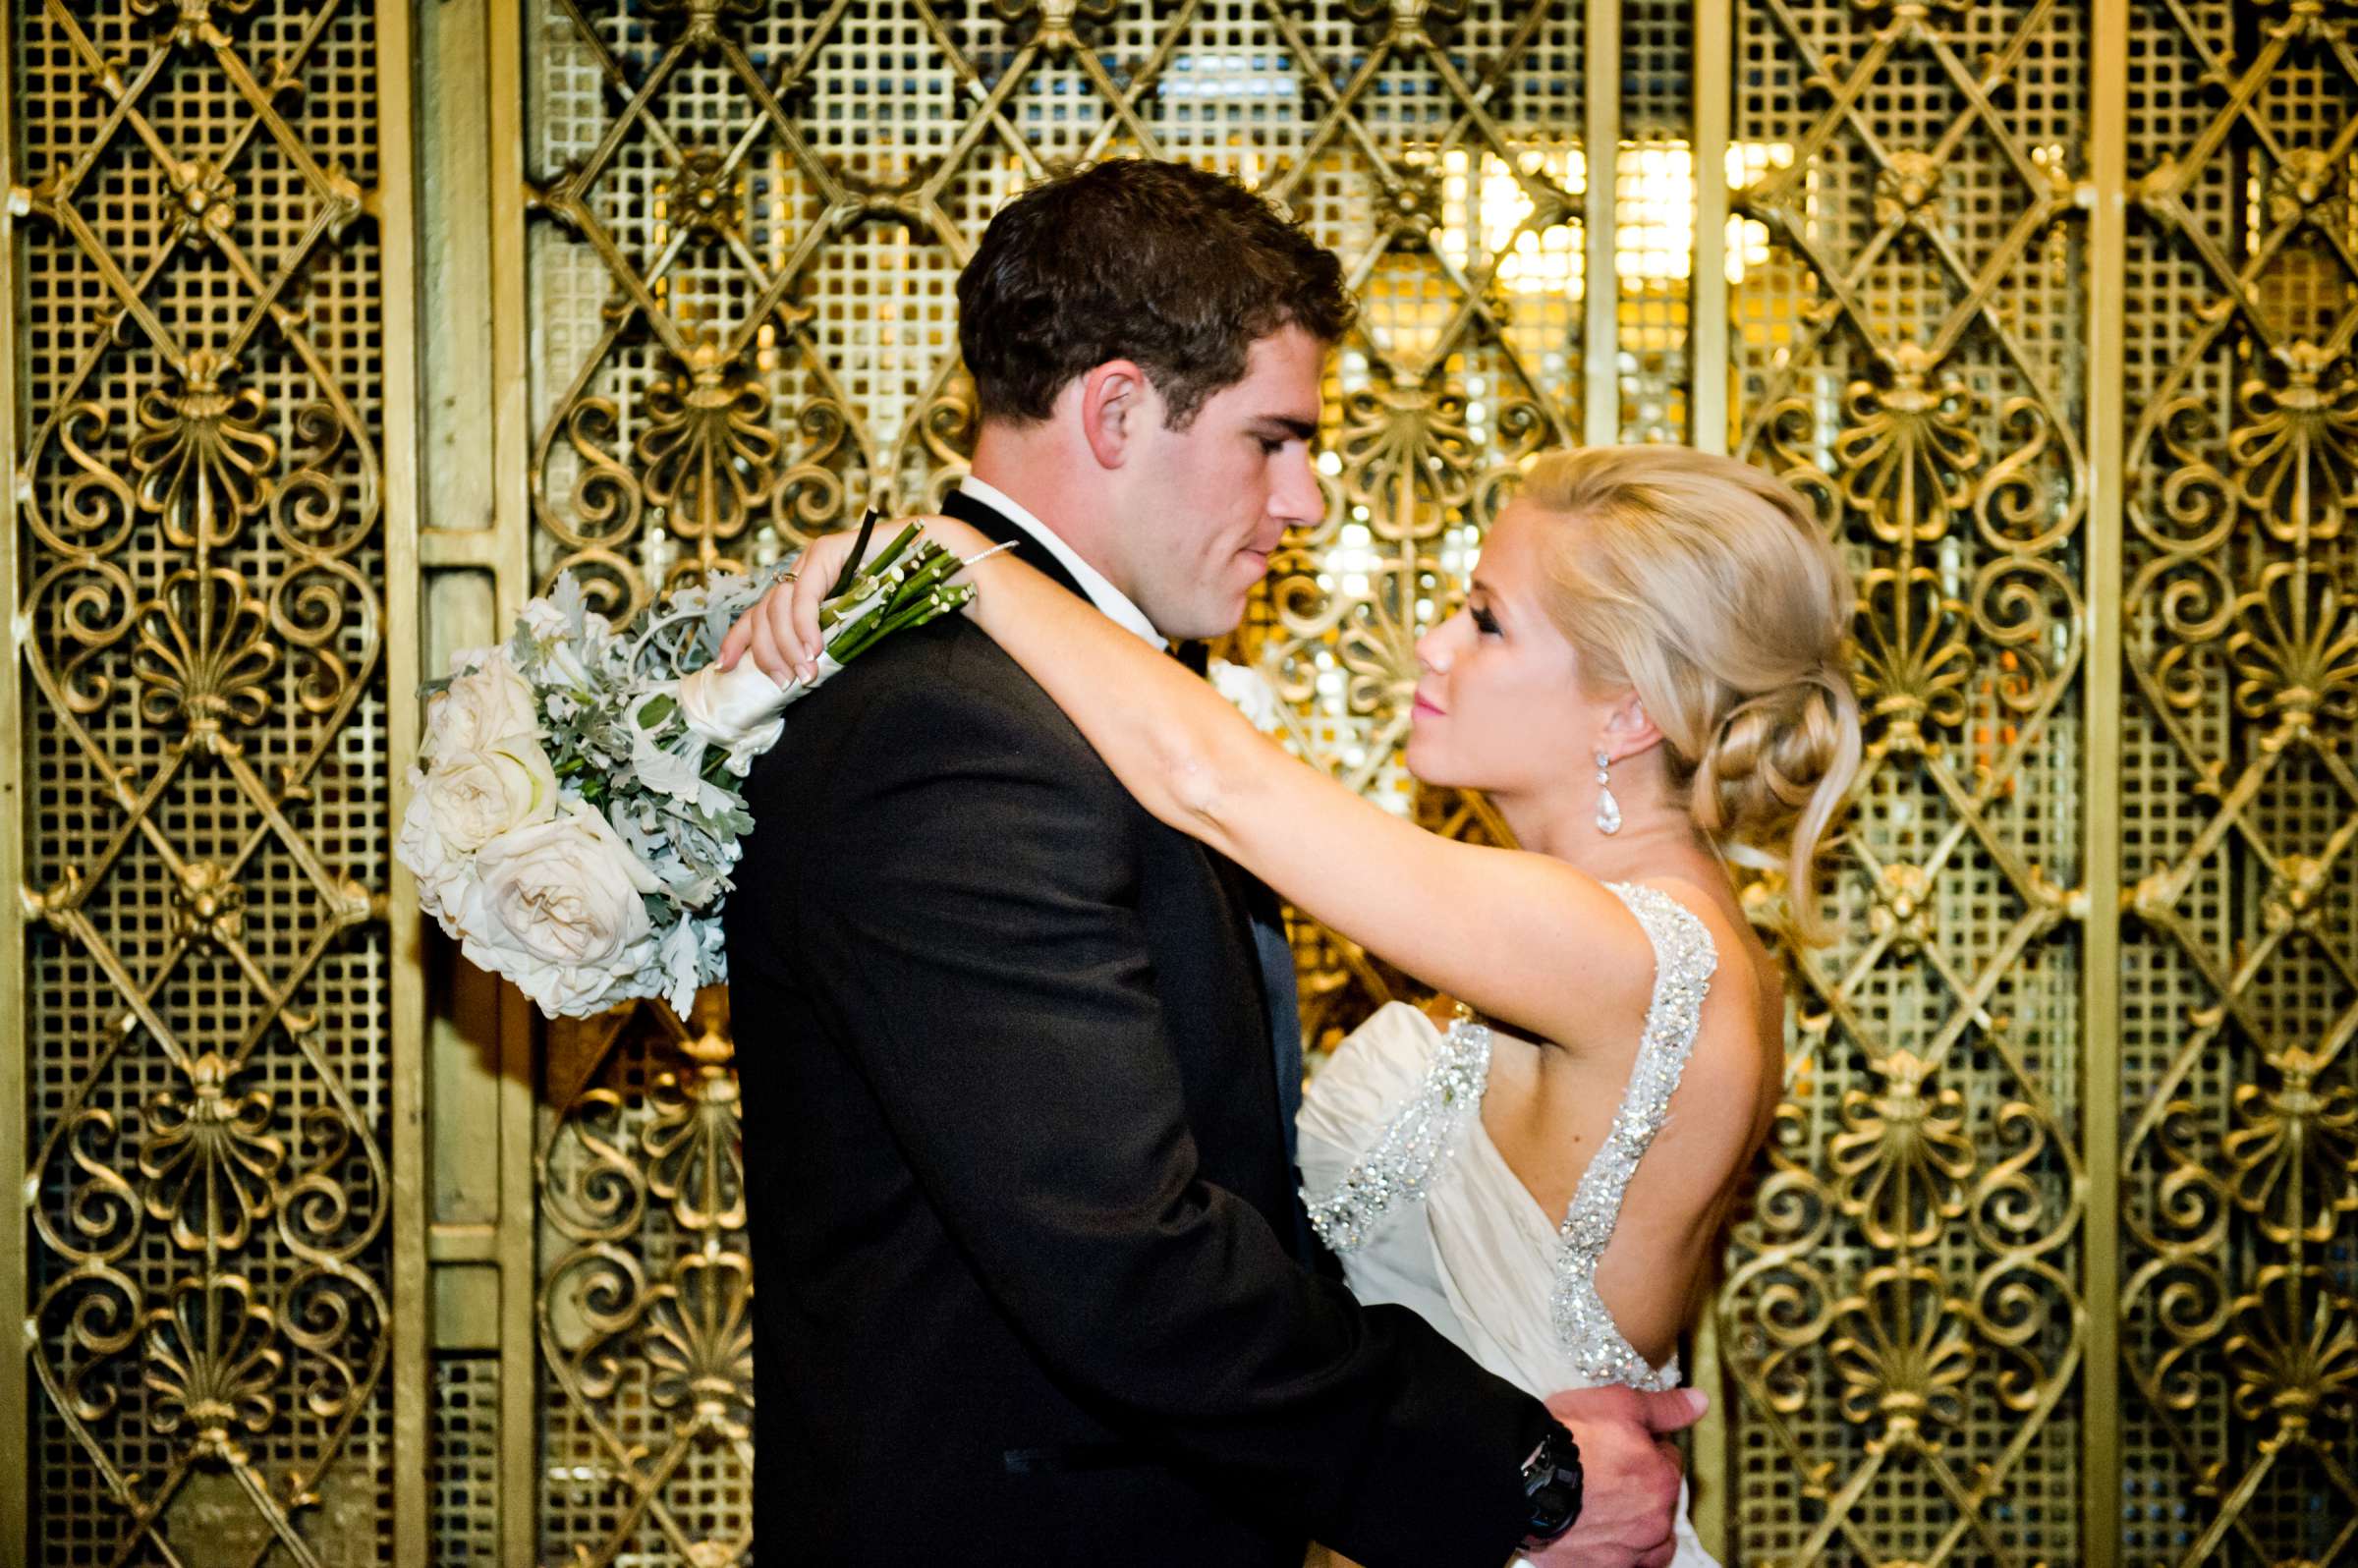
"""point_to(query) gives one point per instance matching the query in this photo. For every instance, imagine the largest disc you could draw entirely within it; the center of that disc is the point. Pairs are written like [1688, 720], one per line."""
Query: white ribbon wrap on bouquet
[742, 710]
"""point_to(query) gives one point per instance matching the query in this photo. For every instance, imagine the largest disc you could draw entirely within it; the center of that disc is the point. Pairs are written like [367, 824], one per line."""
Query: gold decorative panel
[205, 398]
[1902, 1319]
[327, 1256]
[2239, 615]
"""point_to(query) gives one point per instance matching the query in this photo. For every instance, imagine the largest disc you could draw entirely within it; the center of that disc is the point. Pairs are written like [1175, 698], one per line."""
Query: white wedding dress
[1406, 1187]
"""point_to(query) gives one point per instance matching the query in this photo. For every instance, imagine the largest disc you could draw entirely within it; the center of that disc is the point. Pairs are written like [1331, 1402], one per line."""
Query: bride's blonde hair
[1704, 584]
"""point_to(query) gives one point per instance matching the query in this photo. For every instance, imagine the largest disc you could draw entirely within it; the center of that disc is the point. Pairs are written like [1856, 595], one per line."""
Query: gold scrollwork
[2294, 649]
[211, 1362]
[2244, 646]
[1902, 1161]
[645, 1313]
[707, 455]
[1902, 1351]
[209, 1160]
[201, 455]
[204, 653]
[1908, 454]
[203, 583]
[2294, 1352]
[2296, 455]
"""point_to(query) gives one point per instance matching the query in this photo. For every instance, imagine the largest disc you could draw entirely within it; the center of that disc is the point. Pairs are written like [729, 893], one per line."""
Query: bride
[1647, 666]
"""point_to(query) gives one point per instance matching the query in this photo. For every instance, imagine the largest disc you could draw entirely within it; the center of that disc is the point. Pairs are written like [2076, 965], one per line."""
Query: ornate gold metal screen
[338, 326]
[213, 1030]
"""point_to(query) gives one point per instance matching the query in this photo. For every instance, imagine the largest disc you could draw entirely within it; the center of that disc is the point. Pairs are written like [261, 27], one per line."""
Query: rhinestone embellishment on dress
[1409, 1155]
[1414, 1145]
[1684, 959]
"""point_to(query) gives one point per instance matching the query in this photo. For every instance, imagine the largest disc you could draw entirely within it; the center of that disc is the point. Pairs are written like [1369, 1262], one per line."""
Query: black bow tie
[1194, 654]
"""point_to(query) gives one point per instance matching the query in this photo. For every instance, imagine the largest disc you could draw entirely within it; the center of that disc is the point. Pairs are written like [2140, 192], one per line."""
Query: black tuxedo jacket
[1023, 1216]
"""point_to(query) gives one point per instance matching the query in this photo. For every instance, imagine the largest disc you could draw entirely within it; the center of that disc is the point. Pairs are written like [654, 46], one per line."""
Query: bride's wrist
[972, 547]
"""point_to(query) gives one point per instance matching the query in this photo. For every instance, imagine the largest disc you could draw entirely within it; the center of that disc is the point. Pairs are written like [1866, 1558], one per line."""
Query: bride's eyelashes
[1483, 621]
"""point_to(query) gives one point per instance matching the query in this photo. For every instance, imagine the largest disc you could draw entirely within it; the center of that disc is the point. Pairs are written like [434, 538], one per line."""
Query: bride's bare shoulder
[1739, 1044]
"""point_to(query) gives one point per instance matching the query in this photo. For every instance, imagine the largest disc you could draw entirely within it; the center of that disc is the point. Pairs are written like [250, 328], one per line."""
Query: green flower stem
[926, 579]
[902, 588]
[892, 552]
[932, 607]
[850, 637]
[925, 609]
[864, 583]
[872, 632]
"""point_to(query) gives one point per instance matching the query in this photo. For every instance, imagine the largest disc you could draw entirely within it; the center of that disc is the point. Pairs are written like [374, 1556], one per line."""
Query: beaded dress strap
[1414, 1146]
[1684, 960]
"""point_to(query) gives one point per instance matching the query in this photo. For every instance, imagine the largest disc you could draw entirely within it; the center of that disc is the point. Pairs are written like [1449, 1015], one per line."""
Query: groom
[1020, 1063]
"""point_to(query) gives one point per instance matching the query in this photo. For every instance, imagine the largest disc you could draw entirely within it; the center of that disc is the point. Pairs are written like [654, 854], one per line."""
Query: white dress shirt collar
[1110, 600]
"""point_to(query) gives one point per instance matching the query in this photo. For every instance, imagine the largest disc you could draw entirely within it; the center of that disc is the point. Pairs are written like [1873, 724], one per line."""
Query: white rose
[1250, 693]
[557, 907]
[485, 702]
[739, 710]
[440, 869]
[477, 796]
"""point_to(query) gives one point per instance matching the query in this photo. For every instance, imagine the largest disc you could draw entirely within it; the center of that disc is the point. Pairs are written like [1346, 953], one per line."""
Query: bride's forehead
[1512, 543]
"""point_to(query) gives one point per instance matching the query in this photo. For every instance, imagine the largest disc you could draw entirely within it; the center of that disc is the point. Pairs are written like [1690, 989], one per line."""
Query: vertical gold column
[2101, 885]
[16, 1458]
[478, 1069]
[1715, 1468]
[412, 1363]
[1714, 82]
[1601, 354]
[512, 528]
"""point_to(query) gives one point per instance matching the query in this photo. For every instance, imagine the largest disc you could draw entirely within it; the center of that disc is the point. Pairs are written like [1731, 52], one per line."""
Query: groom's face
[1203, 507]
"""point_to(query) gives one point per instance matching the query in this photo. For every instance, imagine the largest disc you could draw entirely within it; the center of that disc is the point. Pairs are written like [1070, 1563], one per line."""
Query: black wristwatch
[1551, 1482]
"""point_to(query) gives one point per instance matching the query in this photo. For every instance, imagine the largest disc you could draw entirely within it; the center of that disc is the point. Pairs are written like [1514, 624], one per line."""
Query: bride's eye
[1483, 621]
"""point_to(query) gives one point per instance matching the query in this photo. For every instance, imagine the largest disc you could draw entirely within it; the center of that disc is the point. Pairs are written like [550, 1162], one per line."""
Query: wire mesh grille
[1902, 1319]
[200, 553]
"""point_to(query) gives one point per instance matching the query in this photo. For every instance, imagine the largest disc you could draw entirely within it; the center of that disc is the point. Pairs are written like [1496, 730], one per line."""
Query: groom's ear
[1115, 398]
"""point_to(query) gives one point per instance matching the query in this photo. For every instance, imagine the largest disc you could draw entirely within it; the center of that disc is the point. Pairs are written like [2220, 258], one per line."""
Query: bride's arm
[1524, 937]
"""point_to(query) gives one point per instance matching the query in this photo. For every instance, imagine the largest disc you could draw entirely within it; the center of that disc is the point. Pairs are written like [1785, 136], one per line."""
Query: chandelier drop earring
[1609, 809]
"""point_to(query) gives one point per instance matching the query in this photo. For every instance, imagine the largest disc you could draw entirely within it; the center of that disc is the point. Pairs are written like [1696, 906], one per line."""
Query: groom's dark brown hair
[1175, 267]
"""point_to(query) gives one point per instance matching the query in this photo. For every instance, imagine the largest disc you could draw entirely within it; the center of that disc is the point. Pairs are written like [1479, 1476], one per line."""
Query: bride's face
[1500, 706]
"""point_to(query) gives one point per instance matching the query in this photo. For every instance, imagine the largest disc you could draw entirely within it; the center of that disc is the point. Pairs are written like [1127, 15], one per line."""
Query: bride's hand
[782, 630]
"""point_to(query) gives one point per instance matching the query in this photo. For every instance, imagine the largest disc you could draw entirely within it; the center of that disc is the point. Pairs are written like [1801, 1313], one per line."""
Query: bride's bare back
[1549, 1108]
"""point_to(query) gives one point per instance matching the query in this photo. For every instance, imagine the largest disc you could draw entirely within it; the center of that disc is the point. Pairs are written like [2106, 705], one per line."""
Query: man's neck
[1087, 575]
[1042, 489]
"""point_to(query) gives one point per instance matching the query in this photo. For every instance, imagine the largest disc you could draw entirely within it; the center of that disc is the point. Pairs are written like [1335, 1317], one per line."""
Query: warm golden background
[336, 326]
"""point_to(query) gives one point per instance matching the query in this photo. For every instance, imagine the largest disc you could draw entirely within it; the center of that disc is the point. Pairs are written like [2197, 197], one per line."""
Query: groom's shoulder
[938, 689]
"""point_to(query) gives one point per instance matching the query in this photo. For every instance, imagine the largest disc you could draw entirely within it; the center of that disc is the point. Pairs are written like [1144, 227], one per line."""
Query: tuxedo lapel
[1281, 1005]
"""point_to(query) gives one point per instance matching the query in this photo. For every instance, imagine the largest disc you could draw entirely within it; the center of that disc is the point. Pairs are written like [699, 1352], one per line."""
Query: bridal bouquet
[575, 815]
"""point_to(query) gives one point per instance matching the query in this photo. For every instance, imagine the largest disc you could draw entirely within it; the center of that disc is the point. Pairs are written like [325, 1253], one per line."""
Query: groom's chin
[1208, 619]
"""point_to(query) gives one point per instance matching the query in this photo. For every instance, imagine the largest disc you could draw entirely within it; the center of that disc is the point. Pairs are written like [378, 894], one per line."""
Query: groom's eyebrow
[1298, 429]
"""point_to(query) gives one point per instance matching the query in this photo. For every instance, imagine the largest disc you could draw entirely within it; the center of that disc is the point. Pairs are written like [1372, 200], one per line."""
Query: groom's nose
[1296, 500]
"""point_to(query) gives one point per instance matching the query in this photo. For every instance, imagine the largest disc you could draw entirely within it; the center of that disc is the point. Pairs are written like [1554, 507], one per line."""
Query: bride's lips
[1425, 705]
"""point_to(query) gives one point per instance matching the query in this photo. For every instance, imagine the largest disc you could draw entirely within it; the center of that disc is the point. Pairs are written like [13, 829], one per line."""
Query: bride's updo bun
[1765, 763]
[1703, 585]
